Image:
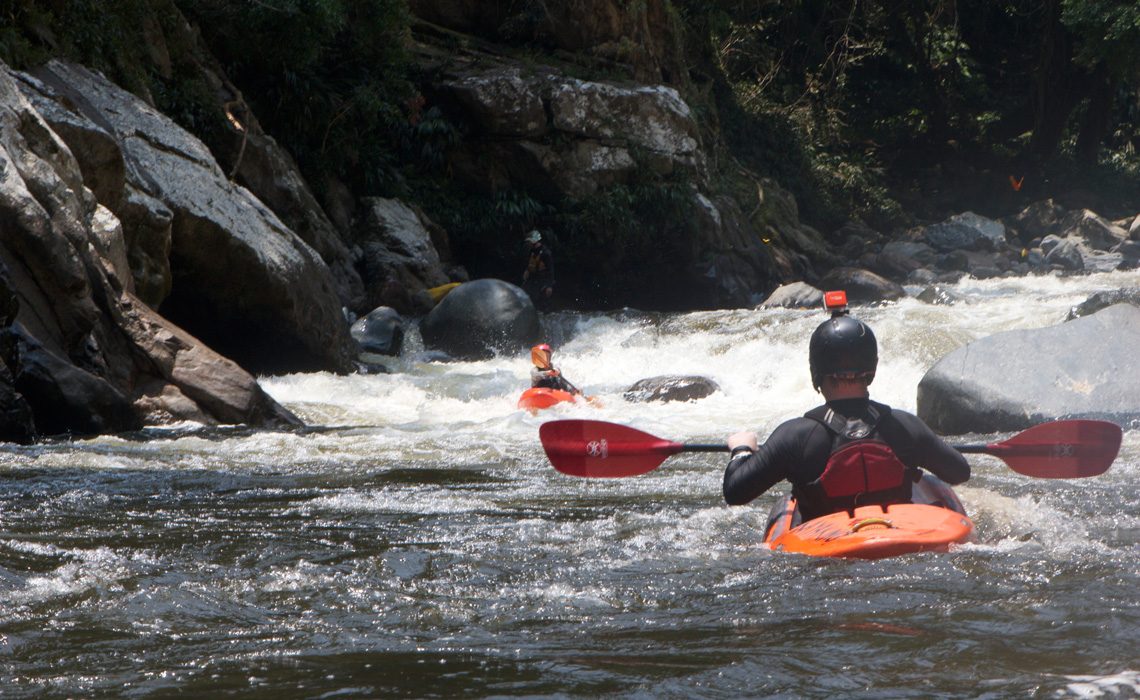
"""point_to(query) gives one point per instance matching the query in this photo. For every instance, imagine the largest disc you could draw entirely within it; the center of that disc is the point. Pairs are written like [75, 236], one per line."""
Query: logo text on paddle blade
[598, 448]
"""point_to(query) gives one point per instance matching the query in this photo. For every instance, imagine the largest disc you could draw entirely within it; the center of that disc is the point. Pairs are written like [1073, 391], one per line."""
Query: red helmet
[540, 355]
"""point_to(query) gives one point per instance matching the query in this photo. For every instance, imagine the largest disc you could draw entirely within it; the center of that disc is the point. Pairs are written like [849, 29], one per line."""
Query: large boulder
[557, 136]
[478, 319]
[862, 286]
[795, 295]
[965, 231]
[1016, 379]
[81, 350]
[399, 257]
[270, 173]
[242, 281]
[1096, 232]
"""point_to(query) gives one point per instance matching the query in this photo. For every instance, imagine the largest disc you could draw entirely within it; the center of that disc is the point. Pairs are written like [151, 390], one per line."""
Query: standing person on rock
[851, 451]
[538, 277]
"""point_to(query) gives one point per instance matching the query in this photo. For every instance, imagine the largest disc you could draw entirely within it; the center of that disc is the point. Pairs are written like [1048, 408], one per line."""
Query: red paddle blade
[1065, 449]
[595, 448]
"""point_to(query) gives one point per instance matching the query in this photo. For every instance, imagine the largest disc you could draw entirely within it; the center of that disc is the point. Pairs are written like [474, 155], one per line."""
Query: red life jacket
[861, 470]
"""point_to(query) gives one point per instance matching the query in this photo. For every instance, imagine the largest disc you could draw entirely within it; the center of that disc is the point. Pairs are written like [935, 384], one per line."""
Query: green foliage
[105, 36]
[328, 78]
[485, 231]
[612, 248]
[1109, 29]
[854, 106]
[624, 241]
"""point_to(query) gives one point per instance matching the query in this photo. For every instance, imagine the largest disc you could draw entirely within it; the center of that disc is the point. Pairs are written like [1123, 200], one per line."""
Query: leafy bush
[328, 78]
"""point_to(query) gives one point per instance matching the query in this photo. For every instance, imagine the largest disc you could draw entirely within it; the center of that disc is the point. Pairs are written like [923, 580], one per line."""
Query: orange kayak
[539, 398]
[874, 532]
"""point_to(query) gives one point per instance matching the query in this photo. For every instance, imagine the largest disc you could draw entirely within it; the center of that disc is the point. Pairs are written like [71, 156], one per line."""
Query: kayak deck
[538, 398]
[875, 532]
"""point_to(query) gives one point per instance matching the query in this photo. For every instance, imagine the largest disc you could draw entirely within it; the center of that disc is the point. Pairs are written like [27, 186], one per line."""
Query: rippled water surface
[419, 544]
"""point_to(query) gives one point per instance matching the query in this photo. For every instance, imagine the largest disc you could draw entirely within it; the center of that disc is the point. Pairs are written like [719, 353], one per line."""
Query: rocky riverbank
[149, 279]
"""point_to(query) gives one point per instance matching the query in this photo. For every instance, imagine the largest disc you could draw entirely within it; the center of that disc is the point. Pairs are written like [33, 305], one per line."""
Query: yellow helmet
[540, 355]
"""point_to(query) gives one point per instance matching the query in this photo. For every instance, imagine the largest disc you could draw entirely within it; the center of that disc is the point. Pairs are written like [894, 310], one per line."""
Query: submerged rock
[671, 388]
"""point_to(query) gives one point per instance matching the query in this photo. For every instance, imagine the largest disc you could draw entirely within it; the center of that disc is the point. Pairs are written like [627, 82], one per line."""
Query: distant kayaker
[538, 277]
[543, 375]
[849, 452]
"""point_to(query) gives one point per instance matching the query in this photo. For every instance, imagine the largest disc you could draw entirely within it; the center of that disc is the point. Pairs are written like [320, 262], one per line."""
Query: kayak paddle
[1067, 449]
[1064, 449]
[600, 449]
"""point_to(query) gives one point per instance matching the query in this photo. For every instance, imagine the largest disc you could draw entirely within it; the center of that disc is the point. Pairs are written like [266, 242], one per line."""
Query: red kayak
[539, 398]
[933, 522]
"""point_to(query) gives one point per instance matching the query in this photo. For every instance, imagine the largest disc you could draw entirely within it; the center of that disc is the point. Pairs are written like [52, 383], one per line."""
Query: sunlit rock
[796, 295]
[966, 230]
[1012, 380]
[245, 283]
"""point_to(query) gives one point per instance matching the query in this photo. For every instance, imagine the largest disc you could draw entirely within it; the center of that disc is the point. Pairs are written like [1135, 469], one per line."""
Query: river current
[417, 543]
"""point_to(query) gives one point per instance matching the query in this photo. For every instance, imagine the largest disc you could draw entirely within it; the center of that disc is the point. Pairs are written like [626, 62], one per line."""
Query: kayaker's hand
[743, 438]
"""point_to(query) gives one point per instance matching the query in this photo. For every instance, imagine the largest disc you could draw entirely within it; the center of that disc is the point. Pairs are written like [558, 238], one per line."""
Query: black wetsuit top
[547, 379]
[798, 450]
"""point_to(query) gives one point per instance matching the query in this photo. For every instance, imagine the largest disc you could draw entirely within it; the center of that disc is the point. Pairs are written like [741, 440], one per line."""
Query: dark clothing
[550, 379]
[540, 265]
[539, 278]
[798, 450]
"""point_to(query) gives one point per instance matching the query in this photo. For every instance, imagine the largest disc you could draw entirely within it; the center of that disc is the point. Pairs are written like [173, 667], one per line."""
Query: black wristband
[741, 449]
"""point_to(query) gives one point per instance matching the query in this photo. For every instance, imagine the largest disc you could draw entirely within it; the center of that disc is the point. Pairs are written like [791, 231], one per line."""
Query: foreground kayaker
[849, 452]
[544, 376]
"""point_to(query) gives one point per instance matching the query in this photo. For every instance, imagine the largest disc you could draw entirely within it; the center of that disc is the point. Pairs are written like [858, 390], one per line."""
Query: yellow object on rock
[441, 291]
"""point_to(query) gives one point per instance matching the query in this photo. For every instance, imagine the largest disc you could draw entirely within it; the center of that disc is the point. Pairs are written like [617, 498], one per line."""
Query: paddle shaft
[695, 447]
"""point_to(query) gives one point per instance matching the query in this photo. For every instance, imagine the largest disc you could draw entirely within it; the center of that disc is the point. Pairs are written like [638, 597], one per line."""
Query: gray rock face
[270, 173]
[1013, 380]
[90, 355]
[1103, 300]
[671, 388]
[796, 295]
[242, 280]
[399, 258]
[478, 319]
[967, 230]
[67, 399]
[606, 131]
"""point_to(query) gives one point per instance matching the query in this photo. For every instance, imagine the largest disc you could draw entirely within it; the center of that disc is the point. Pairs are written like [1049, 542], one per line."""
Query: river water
[418, 544]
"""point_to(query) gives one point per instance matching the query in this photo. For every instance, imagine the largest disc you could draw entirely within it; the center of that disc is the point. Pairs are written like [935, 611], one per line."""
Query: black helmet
[842, 345]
